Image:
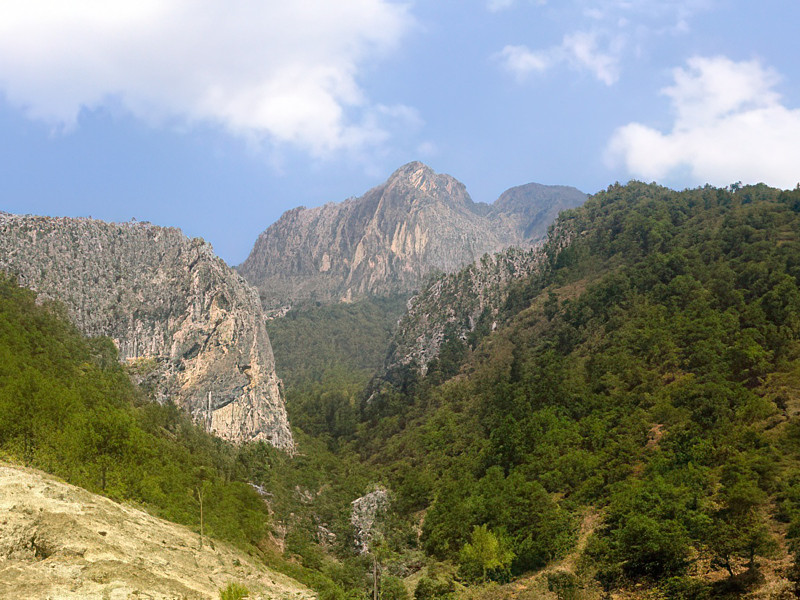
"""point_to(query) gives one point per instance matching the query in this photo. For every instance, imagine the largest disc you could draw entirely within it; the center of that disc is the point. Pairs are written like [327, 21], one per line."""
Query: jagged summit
[420, 177]
[388, 240]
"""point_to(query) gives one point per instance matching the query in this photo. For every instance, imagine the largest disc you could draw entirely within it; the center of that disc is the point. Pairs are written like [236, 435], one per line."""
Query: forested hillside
[649, 378]
[326, 354]
[68, 407]
[630, 426]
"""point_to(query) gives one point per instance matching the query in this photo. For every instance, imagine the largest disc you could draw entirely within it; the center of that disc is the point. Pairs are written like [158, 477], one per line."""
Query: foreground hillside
[59, 542]
[68, 407]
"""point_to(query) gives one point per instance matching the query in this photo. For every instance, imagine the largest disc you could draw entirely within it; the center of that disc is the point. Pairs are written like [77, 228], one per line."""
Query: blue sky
[217, 115]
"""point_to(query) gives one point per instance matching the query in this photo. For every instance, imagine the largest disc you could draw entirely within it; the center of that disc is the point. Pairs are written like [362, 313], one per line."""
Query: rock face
[365, 516]
[453, 304]
[390, 239]
[59, 542]
[181, 317]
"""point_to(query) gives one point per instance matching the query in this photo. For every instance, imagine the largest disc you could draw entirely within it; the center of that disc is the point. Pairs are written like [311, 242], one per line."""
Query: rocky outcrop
[454, 304]
[58, 541]
[366, 515]
[185, 321]
[394, 236]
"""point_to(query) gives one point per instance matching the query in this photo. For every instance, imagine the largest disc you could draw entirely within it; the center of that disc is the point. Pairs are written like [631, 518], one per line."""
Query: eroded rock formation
[453, 304]
[185, 321]
[366, 515]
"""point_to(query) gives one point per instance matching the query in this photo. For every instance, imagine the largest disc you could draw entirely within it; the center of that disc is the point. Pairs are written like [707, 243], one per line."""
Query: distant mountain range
[390, 239]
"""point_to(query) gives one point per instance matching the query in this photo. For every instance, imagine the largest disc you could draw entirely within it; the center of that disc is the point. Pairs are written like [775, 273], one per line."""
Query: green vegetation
[486, 551]
[650, 375]
[313, 341]
[68, 407]
[326, 355]
[234, 591]
[652, 372]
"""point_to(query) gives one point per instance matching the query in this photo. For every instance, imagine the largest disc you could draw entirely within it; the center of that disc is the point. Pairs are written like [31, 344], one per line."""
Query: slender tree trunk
[200, 500]
[374, 578]
[728, 566]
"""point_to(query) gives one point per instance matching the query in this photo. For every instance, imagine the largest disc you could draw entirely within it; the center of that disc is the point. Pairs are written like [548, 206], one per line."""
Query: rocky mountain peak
[419, 177]
[391, 238]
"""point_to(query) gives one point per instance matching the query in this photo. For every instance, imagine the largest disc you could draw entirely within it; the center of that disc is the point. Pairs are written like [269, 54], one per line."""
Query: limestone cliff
[179, 315]
[390, 239]
[366, 516]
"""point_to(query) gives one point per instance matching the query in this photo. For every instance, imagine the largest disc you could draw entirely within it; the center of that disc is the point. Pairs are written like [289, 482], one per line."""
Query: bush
[392, 588]
[565, 585]
[685, 588]
[434, 588]
[234, 591]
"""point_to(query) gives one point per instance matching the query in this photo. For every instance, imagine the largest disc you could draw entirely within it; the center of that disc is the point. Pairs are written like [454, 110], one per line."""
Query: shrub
[234, 591]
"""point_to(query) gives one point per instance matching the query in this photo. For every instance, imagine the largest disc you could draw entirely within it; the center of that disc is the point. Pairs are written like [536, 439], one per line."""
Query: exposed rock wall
[169, 304]
[390, 239]
[453, 304]
[366, 515]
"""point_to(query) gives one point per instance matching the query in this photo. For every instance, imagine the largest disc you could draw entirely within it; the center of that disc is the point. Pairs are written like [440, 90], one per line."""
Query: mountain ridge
[388, 240]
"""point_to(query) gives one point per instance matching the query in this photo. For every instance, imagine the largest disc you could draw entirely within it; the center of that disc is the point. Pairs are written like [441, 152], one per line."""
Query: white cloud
[730, 125]
[520, 61]
[582, 51]
[601, 34]
[499, 5]
[284, 72]
[579, 50]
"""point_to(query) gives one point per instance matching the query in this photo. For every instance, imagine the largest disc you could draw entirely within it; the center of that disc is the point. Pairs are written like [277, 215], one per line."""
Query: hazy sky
[218, 115]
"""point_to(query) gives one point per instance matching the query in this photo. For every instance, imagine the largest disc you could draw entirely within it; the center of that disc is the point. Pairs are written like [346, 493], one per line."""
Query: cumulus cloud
[283, 72]
[730, 125]
[521, 61]
[580, 50]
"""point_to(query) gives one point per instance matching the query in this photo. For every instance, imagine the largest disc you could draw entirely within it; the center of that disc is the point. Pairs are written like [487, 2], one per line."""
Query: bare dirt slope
[60, 542]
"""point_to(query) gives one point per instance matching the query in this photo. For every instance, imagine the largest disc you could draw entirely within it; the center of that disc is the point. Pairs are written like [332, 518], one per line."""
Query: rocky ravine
[186, 321]
[390, 239]
[59, 542]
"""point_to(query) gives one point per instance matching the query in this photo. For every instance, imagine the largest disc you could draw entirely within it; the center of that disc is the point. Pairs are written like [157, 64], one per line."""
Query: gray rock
[394, 236]
[453, 303]
[178, 314]
[365, 516]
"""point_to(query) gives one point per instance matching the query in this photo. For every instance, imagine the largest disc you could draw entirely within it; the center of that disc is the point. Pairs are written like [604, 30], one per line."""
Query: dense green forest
[326, 355]
[650, 376]
[632, 426]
